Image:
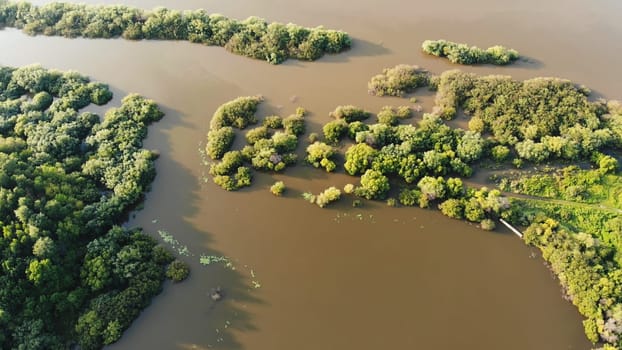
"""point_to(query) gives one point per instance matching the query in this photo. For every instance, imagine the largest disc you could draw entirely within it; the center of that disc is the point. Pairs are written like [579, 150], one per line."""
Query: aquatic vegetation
[278, 188]
[253, 37]
[463, 54]
[68, 179]
[177, 271]
[397, 81]
[328, 196]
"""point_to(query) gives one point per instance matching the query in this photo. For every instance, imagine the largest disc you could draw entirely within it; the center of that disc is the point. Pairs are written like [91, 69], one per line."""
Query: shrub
[177, 271]
[359, 158]
[256, 134]
[320, 154]
[397, 81]
[374, 185]
[452, 208]
[284, 142]
[409, 197]
[295, 123]
[328, 196]
[273, 122]
[487, 225]
[334, 130]
[313, 137]
[348, 188]
[392, 202]
[499, 153]
[277, 188]
[238, 113]
[390, 115]
[219, 141]
[231, 161]
[349, 113]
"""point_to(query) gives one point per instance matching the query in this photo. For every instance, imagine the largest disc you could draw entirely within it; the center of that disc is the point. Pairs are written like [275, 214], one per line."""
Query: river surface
[339, 278]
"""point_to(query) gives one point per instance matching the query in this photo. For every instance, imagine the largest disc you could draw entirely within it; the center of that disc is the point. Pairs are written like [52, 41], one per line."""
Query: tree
[374, 185]
[359, 158]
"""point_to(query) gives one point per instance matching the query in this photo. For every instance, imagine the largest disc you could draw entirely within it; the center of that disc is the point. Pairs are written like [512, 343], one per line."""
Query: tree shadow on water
[184, 315]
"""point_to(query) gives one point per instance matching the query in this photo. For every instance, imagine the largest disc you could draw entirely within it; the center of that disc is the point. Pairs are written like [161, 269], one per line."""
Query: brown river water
[337, 278]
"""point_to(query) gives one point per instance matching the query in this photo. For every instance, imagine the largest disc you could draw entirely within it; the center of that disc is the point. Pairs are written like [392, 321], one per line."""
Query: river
[373, 277]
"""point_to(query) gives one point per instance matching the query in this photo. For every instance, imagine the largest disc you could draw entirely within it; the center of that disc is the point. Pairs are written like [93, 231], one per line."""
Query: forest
[70, 275]
[252, 37]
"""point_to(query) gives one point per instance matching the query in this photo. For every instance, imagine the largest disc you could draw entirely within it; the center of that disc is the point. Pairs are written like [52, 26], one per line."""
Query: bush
[390, 115]
[278, 188]
[328, 196]
[487, 225]
[359, 158]
[295, 123]
[256, 134]
[349, 113]
[177, 271]
[397, 81]
[273, 122]
[320, 154]
[409, 197]
[219, 141]
[452, 208]
[238, 113]
[374, 185]
[348, 188]
[499, 153]
[334, 131]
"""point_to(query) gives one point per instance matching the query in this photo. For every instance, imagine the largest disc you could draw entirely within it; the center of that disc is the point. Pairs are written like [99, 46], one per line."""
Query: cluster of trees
[253, 37]
[541, 118]
[397, 81]
[69, 275]
[590, 277]
[464, 54]
[270, 147]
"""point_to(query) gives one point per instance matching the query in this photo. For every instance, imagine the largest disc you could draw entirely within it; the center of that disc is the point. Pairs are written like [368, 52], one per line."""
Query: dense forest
[253, 37]
[465, 54]
[69, 274]
[573, 212]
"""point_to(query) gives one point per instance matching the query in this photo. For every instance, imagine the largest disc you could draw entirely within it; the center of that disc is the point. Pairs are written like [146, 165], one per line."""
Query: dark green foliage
[238, 113]
[543, 117]
[295, 123]
[263, 152]
[349, 113]
[253, 37]
[397, 81]
[177, 271]
[219, 141]
[463, 54]
[69, 275]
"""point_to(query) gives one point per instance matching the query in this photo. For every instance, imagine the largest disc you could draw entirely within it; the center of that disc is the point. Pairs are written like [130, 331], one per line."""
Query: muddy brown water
[339, 278]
